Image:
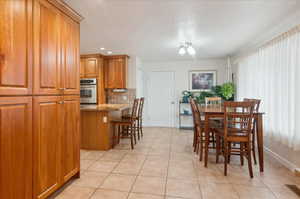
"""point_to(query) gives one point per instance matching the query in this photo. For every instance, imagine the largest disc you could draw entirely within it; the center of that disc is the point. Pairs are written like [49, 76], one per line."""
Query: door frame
[147, 94]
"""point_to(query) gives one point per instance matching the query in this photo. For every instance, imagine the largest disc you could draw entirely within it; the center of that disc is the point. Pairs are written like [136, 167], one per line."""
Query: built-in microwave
[88, 91]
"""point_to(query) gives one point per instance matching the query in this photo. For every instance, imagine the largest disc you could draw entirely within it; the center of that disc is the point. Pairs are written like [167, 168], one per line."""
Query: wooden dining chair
[197, 122]
[238, 121]
[126, 127]
[199, 133]
[256, 109]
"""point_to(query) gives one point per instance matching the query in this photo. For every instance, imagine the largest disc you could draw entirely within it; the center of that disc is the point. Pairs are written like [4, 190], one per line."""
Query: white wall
[131, 73]
[181, 69]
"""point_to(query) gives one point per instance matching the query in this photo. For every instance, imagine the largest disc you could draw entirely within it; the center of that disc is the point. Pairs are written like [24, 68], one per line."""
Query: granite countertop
[104, 107]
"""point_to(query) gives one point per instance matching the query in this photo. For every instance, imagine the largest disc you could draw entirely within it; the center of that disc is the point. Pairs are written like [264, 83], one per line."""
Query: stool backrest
[141, 106]
[135, 108]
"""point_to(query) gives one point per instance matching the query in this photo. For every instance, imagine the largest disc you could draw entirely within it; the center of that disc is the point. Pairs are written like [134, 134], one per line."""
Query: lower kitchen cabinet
[47, 127]
[56, 142]
[16, 147]
[70, 148]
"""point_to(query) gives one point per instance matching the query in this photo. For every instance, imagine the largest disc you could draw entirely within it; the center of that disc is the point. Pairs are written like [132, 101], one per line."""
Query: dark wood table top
[216, 109]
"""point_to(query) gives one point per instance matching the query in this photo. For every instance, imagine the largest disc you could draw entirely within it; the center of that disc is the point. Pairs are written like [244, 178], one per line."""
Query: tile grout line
[109, 173]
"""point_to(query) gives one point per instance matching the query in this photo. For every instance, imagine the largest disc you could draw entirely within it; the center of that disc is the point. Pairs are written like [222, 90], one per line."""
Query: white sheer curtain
[272, 74]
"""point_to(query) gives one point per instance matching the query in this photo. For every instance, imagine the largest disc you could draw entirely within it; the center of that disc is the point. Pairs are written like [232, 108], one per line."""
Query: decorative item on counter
[186, 95]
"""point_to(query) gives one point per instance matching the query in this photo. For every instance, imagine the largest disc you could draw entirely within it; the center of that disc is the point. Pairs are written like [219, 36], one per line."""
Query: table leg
[260, 141]
[206, 129]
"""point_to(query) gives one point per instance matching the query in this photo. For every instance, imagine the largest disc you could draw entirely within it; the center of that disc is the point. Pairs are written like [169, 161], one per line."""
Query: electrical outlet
[104, 119]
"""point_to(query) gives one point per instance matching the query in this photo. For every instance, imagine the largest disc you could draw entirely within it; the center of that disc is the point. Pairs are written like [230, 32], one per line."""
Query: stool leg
[114, 136]
[141, 127]
[131, 137]
[136, 126]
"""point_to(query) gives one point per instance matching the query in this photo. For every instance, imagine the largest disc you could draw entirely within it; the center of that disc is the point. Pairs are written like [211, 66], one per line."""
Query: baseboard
[281, 160]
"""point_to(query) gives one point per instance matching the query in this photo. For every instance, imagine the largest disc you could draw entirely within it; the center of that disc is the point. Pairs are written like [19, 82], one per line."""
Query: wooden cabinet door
[91, 67]
[70, 138]
[16, 147]
[47, 66]
[110, 71]
[15, 47]
[47, 127]
[70, 55]
[82, 66]
[120, 73]
[116, 73]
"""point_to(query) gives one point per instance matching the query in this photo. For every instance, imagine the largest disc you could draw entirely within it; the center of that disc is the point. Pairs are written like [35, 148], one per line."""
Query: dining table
[212, 111]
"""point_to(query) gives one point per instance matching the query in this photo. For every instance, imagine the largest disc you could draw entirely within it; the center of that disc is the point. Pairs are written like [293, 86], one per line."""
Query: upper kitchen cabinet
[16, 48]
[56, 50]
[90, 66]
[70, 33]
[47, 49]
[115, 69]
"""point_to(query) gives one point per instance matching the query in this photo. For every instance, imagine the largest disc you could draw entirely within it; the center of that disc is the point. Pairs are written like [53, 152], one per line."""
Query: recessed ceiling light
[102, 48]
[109, 52]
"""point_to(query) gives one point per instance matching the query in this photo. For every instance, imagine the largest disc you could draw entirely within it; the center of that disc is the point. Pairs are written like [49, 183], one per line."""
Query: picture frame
[202, 80]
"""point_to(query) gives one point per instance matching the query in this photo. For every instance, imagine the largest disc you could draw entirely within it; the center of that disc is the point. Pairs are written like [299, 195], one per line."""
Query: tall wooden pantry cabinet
[39, 97]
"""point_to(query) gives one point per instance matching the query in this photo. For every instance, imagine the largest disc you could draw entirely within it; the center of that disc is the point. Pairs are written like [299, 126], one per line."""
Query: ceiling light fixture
[102, 48]
[109, 52]
[187, 47]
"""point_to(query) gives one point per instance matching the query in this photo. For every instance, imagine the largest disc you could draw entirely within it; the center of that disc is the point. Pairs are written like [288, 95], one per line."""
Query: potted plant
[227, 91]
[186, 95]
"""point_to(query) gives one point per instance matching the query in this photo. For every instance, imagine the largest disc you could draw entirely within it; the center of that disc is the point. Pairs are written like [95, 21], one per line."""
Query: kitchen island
[96, 128]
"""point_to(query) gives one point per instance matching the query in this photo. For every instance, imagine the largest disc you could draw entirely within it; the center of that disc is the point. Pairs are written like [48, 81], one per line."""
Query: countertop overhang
[104, 107]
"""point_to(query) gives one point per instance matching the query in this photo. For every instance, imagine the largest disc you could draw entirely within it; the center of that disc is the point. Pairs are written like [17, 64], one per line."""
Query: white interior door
[160, 99]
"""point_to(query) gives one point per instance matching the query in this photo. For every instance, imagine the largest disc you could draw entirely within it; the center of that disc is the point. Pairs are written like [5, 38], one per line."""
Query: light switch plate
[104, 119]
[124, 97]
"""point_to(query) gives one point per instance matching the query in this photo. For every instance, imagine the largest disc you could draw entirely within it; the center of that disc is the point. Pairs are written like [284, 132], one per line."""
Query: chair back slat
[195, 112]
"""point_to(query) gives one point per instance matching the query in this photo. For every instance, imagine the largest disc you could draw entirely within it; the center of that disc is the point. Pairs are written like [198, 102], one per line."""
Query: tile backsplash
[120, 98]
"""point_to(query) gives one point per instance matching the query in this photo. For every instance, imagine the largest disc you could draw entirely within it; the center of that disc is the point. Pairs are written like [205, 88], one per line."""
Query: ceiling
[153, 29]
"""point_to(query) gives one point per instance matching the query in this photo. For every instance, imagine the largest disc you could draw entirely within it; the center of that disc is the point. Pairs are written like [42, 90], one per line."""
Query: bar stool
[126, 123]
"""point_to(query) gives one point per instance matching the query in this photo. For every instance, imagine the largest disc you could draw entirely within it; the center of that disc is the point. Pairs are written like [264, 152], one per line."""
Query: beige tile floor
[163, 166]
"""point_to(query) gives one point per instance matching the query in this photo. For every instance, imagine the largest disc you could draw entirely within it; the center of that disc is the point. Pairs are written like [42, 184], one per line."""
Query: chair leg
[249, 159]
[200, 143]
[253, 147]
[195, 139]
[218, 146]
[225, 156]
[229, 152]
[242, 153]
